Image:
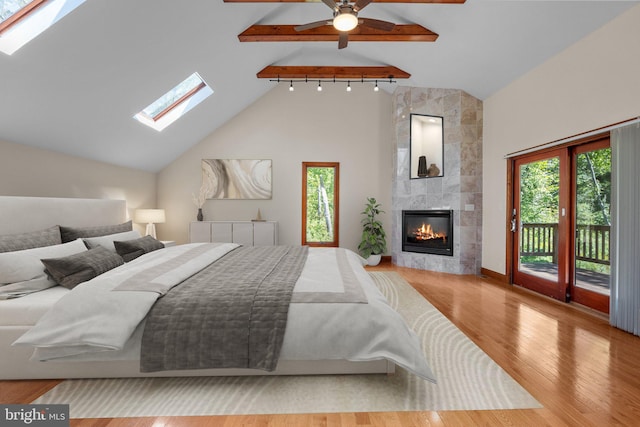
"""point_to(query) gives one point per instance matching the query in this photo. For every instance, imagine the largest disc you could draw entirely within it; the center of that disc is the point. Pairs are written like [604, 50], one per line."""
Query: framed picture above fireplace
[426, 136]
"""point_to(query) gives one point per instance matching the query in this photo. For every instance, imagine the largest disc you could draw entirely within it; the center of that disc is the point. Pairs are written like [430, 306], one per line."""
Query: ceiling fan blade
[360, 4]
[331, 4]
[377, 24]
[311, 25]
[343, 40]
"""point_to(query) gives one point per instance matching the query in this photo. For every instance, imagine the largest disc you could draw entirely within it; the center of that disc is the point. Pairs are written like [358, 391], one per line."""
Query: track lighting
[376, 88]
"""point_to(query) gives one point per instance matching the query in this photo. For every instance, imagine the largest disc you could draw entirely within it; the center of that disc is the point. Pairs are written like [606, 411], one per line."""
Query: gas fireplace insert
[428, 231]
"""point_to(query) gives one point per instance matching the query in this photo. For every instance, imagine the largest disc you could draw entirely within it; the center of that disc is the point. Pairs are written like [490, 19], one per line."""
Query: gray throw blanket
[231, 314]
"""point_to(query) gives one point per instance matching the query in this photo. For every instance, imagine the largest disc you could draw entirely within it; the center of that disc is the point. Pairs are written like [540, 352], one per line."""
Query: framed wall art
[236, 179]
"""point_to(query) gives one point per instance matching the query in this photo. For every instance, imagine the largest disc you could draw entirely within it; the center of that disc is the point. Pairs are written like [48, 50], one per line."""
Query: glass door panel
[538, 248]
[592, 196]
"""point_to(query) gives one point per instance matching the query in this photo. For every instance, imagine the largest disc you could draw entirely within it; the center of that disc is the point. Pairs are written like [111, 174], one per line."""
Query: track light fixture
[376, 88]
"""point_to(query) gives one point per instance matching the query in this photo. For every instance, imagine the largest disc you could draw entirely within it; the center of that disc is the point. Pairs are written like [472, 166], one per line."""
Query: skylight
[175, 103]
[9, 10]
[23, 20]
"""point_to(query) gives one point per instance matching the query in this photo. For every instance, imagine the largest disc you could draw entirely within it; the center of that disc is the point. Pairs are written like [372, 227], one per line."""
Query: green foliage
[540, 189]
[593, 170]
[539, 192]
[373, 240]
[320, 204]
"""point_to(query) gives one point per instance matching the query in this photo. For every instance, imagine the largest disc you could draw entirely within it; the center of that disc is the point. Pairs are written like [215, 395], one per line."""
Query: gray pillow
[132, 249]
[72, 233]
[34, 239]
[72, 270]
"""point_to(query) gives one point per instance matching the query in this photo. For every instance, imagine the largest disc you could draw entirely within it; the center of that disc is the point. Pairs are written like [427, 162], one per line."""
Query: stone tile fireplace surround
[460, 189]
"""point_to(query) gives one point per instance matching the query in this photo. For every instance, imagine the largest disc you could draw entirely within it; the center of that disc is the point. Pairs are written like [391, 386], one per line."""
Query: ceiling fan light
[345, 22]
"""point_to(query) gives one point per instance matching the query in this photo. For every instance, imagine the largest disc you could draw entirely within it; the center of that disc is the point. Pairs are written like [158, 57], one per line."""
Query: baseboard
[502, 278]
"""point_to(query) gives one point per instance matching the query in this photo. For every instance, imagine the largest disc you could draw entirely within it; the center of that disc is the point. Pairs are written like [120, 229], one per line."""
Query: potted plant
[373, 243]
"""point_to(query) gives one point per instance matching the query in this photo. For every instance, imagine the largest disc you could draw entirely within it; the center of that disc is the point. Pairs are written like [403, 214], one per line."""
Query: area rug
[468, 379]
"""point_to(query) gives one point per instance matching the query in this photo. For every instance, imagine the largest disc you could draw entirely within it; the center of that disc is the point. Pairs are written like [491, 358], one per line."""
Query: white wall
[591, 84]
[352, 128]
[28, 171]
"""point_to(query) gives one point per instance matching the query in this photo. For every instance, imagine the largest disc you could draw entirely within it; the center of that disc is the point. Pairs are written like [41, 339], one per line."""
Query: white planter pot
[374, 260]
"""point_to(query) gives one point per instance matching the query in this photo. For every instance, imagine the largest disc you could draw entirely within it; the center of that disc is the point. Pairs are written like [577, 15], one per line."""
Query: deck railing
[592, 242]
[539, 239]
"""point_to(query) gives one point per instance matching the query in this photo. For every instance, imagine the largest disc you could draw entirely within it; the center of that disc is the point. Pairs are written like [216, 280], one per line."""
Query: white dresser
[246, 233]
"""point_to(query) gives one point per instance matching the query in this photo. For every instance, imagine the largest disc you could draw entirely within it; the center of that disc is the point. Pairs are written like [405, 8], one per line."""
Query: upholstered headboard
[22, 214]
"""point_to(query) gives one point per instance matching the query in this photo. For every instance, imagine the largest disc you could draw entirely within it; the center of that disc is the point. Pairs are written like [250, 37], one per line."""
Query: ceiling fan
[345, 19]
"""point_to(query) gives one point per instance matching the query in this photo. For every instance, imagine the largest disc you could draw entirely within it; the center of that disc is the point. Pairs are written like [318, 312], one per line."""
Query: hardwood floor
[583, 372]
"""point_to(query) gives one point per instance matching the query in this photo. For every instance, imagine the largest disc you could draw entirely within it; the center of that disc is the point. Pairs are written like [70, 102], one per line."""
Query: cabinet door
[222, 232]
[243, 233]
[264, 234]
[199, 232]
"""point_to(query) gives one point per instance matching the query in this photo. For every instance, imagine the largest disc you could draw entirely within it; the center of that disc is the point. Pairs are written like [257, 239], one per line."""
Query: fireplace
[429, 232]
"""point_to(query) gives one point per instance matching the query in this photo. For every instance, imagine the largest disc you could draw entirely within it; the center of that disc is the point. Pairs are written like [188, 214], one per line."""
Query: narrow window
[175, 103]
[320, 203]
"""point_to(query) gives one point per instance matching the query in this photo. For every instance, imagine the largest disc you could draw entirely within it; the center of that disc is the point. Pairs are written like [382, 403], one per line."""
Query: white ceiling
[75, 88]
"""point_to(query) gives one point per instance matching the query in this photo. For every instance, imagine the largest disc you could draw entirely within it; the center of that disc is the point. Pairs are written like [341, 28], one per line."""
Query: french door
[560, 223]
[539, 223]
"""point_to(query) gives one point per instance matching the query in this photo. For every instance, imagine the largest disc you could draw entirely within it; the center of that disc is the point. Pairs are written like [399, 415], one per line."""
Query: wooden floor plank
[583, 371]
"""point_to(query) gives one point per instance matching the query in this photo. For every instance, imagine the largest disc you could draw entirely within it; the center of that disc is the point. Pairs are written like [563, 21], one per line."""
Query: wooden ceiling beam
[287, 33]
[287, 72]
[375, 1]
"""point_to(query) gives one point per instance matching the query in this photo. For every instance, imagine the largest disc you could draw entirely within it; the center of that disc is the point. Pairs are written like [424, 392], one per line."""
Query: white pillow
[20, 266]
[107, 241]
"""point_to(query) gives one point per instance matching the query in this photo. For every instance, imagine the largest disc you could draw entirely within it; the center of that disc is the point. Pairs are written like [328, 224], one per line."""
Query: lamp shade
[149, 216]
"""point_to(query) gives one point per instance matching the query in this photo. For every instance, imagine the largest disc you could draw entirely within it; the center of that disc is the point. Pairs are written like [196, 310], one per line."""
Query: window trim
[336, 203]
[171, 113]
[20, 14]
[179, 101]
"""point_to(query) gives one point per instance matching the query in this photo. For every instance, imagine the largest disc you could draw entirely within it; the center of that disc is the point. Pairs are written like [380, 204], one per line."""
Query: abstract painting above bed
[236, 179]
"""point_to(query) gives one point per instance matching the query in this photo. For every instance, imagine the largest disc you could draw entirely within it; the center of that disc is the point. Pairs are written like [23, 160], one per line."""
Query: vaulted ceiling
[75, 88]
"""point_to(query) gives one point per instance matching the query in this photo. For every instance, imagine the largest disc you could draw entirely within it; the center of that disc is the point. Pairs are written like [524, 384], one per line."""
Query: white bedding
[92, 322]
[26, 311]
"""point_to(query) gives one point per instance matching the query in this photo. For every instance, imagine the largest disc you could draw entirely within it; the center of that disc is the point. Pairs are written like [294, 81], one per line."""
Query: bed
[324, 300]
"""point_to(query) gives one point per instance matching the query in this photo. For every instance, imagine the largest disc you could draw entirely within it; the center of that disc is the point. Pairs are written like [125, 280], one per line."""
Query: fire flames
[426, 233]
